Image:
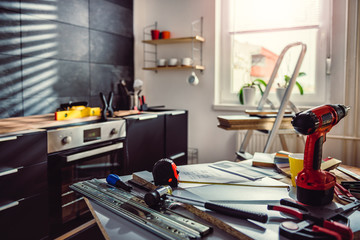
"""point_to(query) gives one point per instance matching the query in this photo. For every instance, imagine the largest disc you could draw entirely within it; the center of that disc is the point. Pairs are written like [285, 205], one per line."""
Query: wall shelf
[151, 52]
[196, 67]
[175, 40]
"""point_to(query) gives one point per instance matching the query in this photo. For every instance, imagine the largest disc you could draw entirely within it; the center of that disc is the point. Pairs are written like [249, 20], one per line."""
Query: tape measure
[165, 173]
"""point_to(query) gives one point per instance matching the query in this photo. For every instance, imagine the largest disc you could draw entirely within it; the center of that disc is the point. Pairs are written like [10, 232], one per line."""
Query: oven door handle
[81, 155]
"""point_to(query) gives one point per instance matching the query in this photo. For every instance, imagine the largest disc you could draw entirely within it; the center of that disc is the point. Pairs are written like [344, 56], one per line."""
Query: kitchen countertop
[16, 124]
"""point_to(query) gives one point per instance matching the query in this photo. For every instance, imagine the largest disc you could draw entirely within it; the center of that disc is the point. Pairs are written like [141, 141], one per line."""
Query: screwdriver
[116, 181]
[154, 197]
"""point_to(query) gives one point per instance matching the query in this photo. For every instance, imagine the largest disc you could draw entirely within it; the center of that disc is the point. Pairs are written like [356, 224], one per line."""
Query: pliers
[332, 225]
[343, 194]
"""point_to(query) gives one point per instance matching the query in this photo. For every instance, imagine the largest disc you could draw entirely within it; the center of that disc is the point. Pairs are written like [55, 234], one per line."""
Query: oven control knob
[114, 131]
[66, 140]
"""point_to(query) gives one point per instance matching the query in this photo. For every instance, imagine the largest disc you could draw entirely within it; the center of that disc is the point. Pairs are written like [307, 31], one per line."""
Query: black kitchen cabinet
[145, 142]
[153, 136]
[23, 185]
[176, 136]
[25, 218]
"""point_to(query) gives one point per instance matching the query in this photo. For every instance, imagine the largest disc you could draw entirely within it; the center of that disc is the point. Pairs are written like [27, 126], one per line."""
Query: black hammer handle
[236, 212]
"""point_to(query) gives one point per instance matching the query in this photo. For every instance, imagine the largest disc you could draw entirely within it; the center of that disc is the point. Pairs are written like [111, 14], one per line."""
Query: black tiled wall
[53, 52]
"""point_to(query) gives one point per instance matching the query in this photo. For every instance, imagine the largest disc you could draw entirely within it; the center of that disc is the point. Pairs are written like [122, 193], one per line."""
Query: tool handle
[344, 190]
[313, 151]
[110, 105]
[292, 203]
[236, 212]
[105, 106]
[287, 210]
[116, 181]
[350, 184]
[332, 233]
[345, 231]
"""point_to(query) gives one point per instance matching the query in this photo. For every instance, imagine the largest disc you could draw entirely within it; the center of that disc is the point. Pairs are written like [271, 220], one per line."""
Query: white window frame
[225, 100]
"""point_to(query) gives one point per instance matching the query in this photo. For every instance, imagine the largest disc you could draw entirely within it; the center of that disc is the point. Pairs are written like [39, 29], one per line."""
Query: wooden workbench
[244, 122]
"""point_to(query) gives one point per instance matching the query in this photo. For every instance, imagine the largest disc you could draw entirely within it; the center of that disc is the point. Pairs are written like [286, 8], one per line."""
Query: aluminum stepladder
[242, 154]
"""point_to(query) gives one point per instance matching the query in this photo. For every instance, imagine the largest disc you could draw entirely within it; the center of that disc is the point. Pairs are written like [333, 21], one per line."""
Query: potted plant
[247, 91]
[282, 88]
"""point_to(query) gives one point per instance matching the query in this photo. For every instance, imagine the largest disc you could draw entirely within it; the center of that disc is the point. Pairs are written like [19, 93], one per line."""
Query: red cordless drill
[314, 186]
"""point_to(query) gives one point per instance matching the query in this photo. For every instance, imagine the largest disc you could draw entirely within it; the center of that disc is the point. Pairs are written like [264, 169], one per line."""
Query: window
[252, 35]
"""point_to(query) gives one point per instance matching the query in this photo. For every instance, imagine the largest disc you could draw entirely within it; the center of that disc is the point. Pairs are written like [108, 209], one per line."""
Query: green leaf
[261, 91]
[300, 88]
[301, 74]
[287, 78]
[259, 82]
[241, 96]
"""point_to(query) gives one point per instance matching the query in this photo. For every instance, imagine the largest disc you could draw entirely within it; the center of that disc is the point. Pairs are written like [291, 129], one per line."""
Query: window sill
[232, 107]
[242, 108]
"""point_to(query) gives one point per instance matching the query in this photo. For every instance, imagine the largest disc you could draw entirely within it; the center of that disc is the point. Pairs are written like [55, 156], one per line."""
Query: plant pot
[249, 96]
[280, 91]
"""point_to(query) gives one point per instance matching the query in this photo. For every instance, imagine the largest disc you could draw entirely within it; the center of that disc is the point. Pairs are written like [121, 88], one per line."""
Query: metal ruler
[349, 173]
[167, 224]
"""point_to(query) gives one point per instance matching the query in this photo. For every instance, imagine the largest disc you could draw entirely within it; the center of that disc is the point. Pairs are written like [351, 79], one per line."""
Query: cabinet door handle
[177, 113]
[10, 171]
[9, 205]
[147, 117]
[81, 155]
[175, 156]
[4, 139]
[72, 202]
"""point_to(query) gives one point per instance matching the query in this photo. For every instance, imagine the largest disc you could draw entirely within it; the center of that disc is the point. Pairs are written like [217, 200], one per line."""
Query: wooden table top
[244, 122]
[16, 124]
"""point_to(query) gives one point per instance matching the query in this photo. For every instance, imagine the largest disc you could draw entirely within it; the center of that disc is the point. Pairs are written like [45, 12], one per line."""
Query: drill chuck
[307, 122]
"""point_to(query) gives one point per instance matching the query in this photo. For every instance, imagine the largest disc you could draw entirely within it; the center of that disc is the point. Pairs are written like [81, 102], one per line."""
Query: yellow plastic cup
[296, 162]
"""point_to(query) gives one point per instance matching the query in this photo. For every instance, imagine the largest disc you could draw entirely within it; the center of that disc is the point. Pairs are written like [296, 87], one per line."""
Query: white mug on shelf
[161, 62]
[186, 61]
[173, 62]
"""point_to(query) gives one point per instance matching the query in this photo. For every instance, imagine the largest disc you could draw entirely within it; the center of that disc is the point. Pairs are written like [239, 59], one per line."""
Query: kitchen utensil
[173, 62]
[296, 162]
[186, 61]
[137, 89]
[155, 34]
[165, 34]
[161, 62]
[193, 79]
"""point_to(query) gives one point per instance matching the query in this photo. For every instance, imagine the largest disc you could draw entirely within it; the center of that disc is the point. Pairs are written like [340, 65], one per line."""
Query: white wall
[169, 87]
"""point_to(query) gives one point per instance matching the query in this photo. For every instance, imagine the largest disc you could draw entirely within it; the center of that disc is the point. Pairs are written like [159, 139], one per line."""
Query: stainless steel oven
[77, 153]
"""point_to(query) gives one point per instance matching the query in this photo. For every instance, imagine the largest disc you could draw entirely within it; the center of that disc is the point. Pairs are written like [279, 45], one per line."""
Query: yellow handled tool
[77, 112]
